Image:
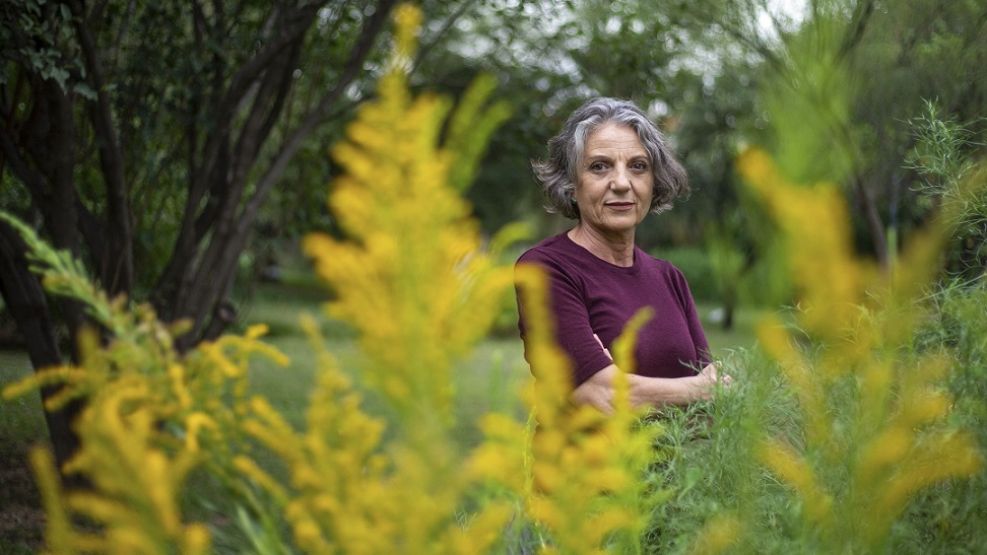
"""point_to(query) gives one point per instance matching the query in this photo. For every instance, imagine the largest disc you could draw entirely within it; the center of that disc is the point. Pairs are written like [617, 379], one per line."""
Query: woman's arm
[645, 391]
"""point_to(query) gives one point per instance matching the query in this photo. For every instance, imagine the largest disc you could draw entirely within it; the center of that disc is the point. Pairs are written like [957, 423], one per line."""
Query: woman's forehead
[611, 138]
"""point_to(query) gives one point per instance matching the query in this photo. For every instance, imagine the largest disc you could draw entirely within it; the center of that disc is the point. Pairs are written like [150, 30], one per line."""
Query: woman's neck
[617, 249]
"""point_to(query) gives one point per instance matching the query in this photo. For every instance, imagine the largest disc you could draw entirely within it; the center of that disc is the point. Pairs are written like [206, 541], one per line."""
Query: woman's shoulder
[657, 264]
[547, 251]
[668, 273]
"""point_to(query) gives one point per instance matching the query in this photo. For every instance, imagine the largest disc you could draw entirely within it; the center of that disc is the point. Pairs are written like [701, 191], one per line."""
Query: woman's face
[615, 181]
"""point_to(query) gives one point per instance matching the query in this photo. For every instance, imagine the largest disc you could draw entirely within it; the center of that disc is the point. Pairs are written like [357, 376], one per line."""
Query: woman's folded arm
[645, 391]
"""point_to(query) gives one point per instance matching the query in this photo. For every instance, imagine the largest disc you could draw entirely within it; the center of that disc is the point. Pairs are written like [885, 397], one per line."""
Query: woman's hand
[711, 374]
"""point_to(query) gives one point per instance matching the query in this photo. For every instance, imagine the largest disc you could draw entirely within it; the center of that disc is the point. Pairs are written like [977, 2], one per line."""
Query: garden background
[180, 153]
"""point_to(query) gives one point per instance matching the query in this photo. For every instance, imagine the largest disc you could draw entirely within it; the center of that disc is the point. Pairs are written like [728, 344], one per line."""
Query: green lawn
[485, 380]
[21, 420]
[742, 335]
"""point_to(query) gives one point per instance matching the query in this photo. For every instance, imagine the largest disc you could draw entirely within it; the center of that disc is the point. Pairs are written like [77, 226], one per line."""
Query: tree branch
[219, 260]
[117, 269]
[424, 50]
[861, 17]
[318, 114]
[32, 179]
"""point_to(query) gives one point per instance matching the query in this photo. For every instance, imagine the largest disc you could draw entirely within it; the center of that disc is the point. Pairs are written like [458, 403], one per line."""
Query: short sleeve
[573, 331]
[688, 305]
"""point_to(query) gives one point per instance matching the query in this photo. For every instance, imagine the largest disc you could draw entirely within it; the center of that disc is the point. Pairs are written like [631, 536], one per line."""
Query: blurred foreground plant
[151, 415]
[586, 473]
[873, 414]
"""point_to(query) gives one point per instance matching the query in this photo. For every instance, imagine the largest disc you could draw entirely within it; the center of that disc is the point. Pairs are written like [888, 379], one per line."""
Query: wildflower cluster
[873, 413]
[150, 417]
[585, 474]
[412, 277]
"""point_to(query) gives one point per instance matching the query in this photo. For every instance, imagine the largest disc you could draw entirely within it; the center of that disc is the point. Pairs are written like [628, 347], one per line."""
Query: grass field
[485, 380]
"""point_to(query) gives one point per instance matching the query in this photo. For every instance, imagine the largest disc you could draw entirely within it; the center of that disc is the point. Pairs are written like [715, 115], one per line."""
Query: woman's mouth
[620, 206]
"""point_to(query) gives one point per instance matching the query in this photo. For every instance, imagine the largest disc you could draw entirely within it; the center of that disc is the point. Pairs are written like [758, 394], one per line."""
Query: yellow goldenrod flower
[58, 529]
[421, 286]
[717, 535]
[586, 469]
[873, 416]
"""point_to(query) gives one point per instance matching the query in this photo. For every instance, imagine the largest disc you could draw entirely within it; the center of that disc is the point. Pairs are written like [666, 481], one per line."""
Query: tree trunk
[728, 310]
[874, 223]
[25, 299]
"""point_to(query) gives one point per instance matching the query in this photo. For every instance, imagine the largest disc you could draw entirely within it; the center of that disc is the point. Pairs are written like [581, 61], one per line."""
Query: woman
[607, 169]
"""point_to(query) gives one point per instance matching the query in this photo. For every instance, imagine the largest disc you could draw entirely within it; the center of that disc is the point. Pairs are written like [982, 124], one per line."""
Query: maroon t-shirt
[591, 296]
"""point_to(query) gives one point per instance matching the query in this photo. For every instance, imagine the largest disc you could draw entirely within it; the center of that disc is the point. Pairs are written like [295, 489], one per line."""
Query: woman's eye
[640, 166]
[597, 166]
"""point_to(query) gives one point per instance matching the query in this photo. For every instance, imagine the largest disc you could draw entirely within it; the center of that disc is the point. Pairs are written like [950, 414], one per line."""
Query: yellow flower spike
[58, 528]
[98, 508]
[215, 354]
[794, 470]
[90, 351]
[309, 537]
[197, 540]
[822, 261]
[875, 382]
[925, 407]
[45, 377]
[122, 541]
[607, 479]
[941, 457]
[400, 278]
[585, 467]
[176, 373]
[255, 331]
[864, 401]
[883, 451]
[193, 423]
[61, 398]
[482, 532]
[717, 535]
[158, 484]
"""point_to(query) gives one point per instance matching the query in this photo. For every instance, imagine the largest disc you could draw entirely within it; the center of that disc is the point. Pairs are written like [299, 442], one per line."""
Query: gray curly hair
[558, 174]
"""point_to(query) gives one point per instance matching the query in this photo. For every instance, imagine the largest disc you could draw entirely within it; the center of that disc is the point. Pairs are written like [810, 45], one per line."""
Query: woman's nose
[621, 180]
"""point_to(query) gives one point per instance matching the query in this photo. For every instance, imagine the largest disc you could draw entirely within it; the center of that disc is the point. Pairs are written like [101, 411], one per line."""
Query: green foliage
[952, 513]
[65, 276]
[34, 32]
[943, 158]
[727, 263]
[941, 151]
[712, 466]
